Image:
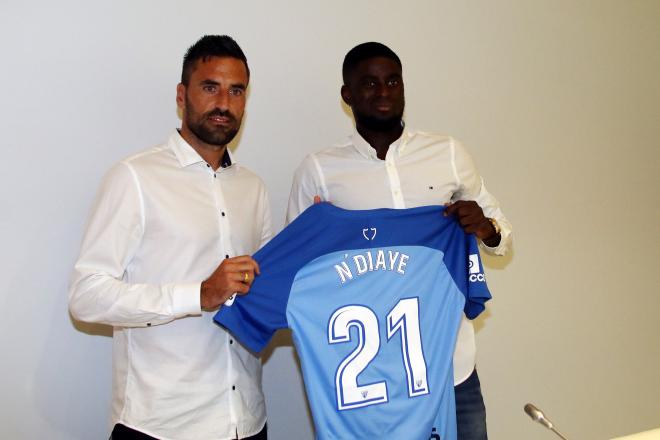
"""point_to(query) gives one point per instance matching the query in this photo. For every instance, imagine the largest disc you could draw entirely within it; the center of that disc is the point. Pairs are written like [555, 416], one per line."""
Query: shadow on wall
[72, 379]
[284, 339]
[492, 263]
[495, 262]
[91, 328]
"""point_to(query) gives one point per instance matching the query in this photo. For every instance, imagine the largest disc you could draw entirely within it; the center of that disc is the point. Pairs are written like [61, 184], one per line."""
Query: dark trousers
[470, 409]
[121, 432]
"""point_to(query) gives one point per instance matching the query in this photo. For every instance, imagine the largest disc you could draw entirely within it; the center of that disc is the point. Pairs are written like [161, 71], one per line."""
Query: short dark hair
[211, 46]
[363, 52]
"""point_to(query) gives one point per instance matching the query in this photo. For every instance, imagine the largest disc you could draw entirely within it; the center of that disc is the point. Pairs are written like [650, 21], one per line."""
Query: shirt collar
[369, 152]
[186, 155]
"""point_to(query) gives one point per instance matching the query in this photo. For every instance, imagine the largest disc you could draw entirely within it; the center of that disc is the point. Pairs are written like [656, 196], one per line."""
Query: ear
[346, 95]
[181, 96]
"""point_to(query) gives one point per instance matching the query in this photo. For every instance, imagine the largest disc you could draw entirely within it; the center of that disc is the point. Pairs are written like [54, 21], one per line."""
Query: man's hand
[234, 275]
[473, 221]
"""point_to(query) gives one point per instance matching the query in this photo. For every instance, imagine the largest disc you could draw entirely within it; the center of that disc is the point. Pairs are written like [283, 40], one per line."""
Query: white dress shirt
[162, 222]
[419, 169]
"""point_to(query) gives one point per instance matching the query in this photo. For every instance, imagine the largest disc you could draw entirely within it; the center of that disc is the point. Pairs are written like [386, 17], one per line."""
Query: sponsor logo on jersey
[474, 263]
[476, 274]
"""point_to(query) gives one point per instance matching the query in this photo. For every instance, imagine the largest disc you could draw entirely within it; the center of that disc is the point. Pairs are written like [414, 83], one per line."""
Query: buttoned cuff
[501, 248]
[186, 299]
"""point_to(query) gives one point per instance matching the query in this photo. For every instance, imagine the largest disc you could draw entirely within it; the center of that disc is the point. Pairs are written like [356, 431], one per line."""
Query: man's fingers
[243, 259]
[233, 275]
[237, 287]
[240, 288]
[470, 218]
[240, 267]
[240, 264]
[450, 208]
[318, 199]
[456, 207]
[457, 211]
[464, 209]
[246, 277]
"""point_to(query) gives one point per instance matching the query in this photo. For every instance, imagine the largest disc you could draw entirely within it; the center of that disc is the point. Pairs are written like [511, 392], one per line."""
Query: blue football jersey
[374, 299]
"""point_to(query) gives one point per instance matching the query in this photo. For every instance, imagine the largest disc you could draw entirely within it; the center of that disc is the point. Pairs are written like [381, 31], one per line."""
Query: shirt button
[223, 213]
[233, 387]
[226, 256]
[231, 341]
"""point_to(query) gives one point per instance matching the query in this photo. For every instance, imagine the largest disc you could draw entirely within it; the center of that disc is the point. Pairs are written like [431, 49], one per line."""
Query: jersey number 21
[403, 318]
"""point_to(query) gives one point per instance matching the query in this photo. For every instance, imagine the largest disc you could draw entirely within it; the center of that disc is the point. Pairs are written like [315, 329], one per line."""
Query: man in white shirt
[383, 165]
[165, 246]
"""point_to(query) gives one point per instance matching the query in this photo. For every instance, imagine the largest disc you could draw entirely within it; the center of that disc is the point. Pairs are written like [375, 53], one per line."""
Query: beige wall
[557, 100]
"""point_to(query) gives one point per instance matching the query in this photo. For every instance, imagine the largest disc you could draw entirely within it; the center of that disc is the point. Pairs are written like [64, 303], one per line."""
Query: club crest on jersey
[369, 233]
[476, 274]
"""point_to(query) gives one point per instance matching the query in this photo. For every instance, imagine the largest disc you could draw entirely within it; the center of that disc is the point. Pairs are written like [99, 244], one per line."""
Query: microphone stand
[538, 416]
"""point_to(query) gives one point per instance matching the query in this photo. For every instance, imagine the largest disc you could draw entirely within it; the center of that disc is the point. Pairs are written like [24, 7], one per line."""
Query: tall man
[160, 255]
[383, 165]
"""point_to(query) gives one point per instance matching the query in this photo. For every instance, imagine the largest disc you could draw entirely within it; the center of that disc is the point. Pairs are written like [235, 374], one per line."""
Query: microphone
[538, 416]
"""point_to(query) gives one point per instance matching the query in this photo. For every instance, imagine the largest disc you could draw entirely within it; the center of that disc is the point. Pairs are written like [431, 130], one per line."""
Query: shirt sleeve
[462, 260]
[98, 291]
[491, 208]
[267, 223]
[471, 187]
[306, 185]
